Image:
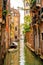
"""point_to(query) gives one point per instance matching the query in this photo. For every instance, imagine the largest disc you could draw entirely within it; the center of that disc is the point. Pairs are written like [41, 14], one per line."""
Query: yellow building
[16, 25]
[12, 26]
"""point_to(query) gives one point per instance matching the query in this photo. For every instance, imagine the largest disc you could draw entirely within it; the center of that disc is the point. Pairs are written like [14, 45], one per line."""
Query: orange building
[7, 33]
[3, 29]
[0, 31]
[35, 36]
[37, 25]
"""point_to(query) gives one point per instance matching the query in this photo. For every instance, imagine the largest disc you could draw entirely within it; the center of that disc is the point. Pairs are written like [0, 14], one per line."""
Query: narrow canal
[31, 58]
[22, 57]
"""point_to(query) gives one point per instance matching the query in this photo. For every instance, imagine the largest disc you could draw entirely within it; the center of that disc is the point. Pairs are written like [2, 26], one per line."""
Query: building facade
[35, 36]
[1, 2]
[3, 38]
[16, 26]
[26, 7]
[37, 25]
[12, 26]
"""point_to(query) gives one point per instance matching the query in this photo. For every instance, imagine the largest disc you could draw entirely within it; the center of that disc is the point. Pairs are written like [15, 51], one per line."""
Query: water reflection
[31, 58]
[22, 60]
[25, 57]
[11, 58]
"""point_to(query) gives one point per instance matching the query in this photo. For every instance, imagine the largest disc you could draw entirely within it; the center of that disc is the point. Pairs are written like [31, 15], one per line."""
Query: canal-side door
[35, 43]
[35, 38]
[42, 42]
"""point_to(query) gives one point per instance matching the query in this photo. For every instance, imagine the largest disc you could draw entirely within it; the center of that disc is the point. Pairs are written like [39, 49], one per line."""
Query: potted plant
[4, 12]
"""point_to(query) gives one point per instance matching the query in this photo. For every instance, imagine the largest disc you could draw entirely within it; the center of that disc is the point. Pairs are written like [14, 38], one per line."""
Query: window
[42, 36]
[15, 37]
[38, 1]
[27, 4]
[27, 11]
[15, 28]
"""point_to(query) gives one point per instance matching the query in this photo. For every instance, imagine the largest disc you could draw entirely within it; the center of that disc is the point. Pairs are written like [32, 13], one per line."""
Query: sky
[18, 3]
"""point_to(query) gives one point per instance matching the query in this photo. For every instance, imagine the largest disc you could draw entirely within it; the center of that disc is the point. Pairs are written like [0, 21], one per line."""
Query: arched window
[27, 4]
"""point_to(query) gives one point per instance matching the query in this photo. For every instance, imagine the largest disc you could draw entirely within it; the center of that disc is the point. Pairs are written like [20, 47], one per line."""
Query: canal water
[23, 56]
[31, 58]
[27, 57]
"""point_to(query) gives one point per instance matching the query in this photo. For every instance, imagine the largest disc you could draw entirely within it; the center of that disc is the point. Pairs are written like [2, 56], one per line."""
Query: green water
[31, 58]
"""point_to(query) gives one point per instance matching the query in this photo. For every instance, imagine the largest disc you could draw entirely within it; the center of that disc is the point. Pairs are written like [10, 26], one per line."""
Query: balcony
[38, 4]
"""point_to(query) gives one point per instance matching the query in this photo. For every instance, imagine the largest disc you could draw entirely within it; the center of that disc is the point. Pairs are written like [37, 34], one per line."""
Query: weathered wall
[41, 40]
[29, 38]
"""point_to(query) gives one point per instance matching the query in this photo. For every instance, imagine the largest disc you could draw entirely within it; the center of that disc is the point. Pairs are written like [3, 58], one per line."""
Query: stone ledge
[29, 46]
[41, 56]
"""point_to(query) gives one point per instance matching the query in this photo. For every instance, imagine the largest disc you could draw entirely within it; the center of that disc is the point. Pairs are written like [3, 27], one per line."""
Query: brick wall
[29, 38]
[41, 40]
